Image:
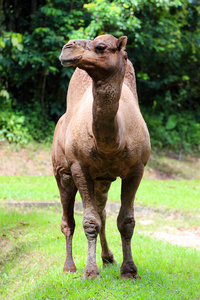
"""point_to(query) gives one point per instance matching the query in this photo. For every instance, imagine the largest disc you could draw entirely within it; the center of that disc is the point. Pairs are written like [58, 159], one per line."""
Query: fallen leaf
[146, 222]
[181, 228]
[24, 223]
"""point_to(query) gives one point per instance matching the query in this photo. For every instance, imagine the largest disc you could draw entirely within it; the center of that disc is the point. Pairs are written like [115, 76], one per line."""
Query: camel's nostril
[67, 46]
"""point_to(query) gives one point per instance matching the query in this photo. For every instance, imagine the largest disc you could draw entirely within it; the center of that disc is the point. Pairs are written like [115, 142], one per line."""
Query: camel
[101, 136]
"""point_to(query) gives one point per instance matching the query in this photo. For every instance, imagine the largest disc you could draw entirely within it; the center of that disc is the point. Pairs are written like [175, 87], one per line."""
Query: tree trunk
[43, 91]
[1, 7]
[6, 7]
[33, 11]
[71, 5]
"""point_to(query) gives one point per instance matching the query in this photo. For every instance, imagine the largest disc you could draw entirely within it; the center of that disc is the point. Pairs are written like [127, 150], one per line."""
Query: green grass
[33, 254]
[181, 195]
[28, 188]
[170, 194]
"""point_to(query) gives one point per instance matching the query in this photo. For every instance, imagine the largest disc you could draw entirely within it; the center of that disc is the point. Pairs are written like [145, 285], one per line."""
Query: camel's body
[102, 136]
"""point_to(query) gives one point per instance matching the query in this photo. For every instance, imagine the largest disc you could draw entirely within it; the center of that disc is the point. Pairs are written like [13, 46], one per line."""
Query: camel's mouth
[70, 62]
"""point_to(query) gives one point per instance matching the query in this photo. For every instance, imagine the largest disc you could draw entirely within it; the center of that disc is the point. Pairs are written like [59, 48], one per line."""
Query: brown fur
[101, 136]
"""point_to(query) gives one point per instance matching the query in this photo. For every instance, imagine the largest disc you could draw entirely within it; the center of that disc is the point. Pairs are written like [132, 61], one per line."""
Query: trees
[33, 83]
[164, 46]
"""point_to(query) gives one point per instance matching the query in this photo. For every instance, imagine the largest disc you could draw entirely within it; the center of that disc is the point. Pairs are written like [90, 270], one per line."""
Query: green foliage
[12, 124]
[20, 127]
[13, 129]
[177, 132]
[163, 44]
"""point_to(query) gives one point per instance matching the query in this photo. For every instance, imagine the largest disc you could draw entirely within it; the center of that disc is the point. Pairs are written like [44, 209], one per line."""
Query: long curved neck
[106, 96]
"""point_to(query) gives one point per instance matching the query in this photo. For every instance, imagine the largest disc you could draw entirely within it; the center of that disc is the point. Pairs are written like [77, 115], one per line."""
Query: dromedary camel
[101, 136]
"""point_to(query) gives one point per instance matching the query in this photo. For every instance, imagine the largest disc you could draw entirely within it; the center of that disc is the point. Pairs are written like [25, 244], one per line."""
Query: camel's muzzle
[69, 62]
[73, 50]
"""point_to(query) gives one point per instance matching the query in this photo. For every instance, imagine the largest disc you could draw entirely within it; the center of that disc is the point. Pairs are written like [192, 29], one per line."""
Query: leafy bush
[13, 129]
[20, 127]
[40, 128]
[180, 132]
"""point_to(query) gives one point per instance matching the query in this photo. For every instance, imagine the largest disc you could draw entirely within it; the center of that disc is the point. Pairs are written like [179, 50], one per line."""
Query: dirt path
[174, 228]
[175, 235]
[188, 238]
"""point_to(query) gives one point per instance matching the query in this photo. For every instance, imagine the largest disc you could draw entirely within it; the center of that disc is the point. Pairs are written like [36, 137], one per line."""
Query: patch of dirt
[35, 159]
[168, 165]
[177, 236]
[29, 161]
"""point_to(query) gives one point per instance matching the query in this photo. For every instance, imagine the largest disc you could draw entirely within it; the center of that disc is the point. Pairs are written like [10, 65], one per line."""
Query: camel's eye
[100, 46]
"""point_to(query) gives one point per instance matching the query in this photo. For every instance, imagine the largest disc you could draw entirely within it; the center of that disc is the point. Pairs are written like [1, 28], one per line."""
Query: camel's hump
[129, 78]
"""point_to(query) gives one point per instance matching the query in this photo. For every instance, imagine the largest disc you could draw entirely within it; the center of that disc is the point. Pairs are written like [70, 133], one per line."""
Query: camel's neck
[105, 106]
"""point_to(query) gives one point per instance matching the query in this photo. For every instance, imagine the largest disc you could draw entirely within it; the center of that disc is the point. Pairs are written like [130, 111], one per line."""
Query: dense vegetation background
[163, 44]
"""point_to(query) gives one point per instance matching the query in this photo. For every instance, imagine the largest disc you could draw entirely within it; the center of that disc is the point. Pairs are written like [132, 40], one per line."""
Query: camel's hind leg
[101, 193]
[68, 191]
[126, 221]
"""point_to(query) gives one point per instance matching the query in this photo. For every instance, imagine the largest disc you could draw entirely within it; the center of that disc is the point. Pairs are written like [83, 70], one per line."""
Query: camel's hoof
[130, 276]
[71, 268]
[129, 270]
[90, 273]
[109, 262]
[91, 276]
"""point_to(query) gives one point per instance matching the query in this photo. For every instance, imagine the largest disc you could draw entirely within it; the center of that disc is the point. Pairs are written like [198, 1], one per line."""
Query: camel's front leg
[91, 218]
[126, 223]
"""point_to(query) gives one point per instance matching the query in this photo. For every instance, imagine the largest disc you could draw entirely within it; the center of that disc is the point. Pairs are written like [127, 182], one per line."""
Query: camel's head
[100, 58]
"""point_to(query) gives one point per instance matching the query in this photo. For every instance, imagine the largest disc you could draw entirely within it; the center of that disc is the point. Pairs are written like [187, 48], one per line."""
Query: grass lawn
[33, 254]
[169, 194]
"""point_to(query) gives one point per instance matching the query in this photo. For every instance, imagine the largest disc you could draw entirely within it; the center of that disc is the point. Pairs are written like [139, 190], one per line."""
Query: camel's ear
[121, 43]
